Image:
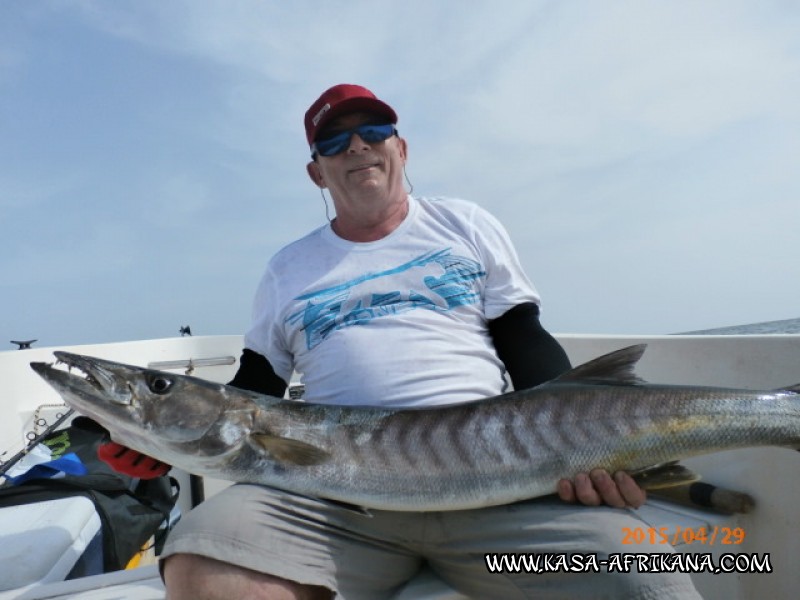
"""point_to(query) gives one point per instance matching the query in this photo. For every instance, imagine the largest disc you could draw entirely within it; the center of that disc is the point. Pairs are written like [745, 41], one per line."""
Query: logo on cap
[320, 114]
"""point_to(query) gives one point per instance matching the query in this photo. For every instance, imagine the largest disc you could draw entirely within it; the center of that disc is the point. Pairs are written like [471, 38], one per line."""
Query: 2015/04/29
[686, 535]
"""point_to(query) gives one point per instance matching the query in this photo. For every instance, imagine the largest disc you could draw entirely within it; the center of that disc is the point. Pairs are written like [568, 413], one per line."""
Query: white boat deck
[143, 583]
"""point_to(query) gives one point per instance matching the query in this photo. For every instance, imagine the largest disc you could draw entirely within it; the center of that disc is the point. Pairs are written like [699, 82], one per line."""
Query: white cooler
[41, 542]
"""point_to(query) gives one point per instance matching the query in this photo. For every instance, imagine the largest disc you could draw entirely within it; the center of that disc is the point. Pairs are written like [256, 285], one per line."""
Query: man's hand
[598, 487]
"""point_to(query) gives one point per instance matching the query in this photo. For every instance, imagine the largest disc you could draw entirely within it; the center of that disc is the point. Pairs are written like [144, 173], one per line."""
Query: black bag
[130, 510]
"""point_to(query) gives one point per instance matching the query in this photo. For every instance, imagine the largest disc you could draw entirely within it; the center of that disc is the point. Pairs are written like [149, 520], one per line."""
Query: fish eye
[159, 384]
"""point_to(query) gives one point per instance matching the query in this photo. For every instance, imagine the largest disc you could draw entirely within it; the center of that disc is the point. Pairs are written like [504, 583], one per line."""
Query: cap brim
[351, 105]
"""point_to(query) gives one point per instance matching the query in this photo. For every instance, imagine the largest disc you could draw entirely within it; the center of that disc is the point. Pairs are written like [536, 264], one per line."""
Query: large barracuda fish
[482, 453]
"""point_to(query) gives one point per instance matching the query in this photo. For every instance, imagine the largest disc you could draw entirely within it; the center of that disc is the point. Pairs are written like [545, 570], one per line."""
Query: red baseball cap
[341, 99]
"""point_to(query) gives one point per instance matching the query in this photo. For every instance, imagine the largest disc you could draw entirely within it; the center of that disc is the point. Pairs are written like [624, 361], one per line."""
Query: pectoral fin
[663, 476]
[290, 451]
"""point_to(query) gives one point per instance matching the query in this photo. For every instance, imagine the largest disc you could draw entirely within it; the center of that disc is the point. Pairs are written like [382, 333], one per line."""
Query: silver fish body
[493, 451]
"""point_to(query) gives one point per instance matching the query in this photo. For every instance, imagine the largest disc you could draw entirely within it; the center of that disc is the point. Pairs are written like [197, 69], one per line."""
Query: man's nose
[357, 144]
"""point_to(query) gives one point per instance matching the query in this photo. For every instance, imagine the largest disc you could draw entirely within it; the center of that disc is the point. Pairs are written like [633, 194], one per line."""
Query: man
[400, 301]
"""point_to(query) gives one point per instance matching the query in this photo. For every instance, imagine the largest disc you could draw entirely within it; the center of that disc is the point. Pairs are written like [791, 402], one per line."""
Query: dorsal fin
[613, 368]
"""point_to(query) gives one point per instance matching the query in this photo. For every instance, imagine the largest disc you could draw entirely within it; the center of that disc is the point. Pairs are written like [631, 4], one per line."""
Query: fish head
[141, 408]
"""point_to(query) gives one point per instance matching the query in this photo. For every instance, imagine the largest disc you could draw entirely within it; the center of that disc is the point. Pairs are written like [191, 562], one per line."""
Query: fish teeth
[88, 377]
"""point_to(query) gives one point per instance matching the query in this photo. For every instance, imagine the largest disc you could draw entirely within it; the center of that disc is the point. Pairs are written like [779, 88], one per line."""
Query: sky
[643, 155]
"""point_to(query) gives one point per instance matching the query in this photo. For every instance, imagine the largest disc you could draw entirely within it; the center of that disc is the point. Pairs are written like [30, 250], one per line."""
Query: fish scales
[464, 476]
[474, 460]
[481, 453]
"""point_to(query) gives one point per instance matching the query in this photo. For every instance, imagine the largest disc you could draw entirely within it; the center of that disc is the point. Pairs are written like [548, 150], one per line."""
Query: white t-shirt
[401, 321]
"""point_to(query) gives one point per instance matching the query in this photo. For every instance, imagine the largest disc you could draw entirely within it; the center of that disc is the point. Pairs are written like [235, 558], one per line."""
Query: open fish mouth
[84, 374]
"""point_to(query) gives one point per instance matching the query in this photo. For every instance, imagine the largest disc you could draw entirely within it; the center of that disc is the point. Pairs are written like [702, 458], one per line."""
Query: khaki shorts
[371, 557]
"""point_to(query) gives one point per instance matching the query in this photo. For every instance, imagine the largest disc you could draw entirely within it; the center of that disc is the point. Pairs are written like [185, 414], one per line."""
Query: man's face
[363, 169]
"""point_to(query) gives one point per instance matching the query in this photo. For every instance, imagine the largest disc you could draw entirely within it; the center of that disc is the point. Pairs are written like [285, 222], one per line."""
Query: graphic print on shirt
[441, 282]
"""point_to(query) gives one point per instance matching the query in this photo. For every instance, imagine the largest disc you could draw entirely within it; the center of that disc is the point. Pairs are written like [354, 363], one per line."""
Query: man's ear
[315, 174]
[403, 149]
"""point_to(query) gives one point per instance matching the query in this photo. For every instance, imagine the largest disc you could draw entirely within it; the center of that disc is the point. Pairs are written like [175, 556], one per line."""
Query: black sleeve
[531, 355]
[257, 375]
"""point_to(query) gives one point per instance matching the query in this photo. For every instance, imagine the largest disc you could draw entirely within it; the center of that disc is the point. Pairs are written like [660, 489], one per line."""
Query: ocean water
[785, 326]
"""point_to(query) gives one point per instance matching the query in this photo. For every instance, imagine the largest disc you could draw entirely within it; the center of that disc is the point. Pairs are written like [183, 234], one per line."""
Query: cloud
[20, 193]
[588, 85]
